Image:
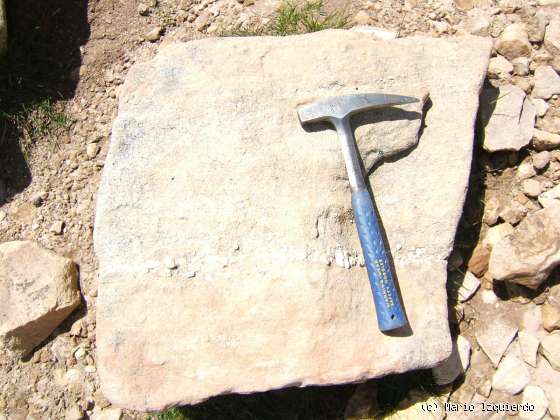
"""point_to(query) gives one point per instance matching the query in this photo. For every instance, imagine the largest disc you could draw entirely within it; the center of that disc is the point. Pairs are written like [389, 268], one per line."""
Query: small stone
[552, 37]
[38, 199]
[79, 353]
[488, 297]
[469, 286]
[543, 140]
[514, 42]
[550, 197]
[496, 233]
[169, 263]
[551, 317]
[499, 68]
[526, 170]
[529, 346]
[111, 413]
[541, 160]
[153, 34]
[541, 106]
[494, 338]
[57, 227]
[547, 83]
[531, 188]
[520, 66]
[92, 149]
[550, 349]
[511, 377]
[477, 24]
[143, 9]
[485, 388]
[536, 397]
[478, 263]
[362, 18]
[536, 26]
[456, 365]
[202, 21]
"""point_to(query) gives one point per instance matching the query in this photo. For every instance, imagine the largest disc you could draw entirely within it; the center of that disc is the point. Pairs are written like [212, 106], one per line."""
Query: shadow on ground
[39, 69]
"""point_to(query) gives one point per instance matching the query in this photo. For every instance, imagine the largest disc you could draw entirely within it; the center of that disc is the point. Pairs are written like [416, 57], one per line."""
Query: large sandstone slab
[218, 215]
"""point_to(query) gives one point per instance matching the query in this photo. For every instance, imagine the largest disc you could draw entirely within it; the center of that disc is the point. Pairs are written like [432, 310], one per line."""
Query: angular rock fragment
[552, 37]
[533, 250]
[507, 118]
[548, 379]
[547, 83]
[529, 345]
[38, 290]
[512, 376]
[550, 348]
[543, 140]
[254, 163]
[536, 397]
[494, 338]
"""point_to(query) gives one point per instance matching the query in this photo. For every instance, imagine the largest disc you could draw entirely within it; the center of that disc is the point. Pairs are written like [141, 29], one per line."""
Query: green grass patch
[292, 18]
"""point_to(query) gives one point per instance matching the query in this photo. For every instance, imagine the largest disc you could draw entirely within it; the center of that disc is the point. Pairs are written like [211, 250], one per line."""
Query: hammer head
[340, 107]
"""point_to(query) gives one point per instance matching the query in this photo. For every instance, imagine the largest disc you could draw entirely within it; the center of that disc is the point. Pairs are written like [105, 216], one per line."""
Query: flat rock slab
[219, 216]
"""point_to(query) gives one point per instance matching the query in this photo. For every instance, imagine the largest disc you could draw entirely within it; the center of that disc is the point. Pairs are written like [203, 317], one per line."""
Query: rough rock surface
[529, 255]
[494, 338]
[507, 117]
[547, 83]
[550, 348]
[38, 290]
[263, 207]
[457, 363]
[511, 376]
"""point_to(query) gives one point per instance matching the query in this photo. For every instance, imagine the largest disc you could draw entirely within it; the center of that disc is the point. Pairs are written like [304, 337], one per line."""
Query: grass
[292, 18]
[40, 120]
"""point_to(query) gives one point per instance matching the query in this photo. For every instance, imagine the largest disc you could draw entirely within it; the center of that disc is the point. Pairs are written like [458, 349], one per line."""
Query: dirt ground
[73, 55]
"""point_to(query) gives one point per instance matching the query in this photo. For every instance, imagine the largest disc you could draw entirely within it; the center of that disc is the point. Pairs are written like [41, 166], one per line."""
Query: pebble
[478, 263]
[153, 34]
[362, 18]
[551, 317]
[499, 68]
[57, 227]
[38, 199]
[202, 21]
[532, 319]
[514, 42]
[469, 286]
[456, 365]
[541, 106]
[488, 297]
[79, 353]
[526, 170]
[92, 149]
[535, 396]
[541, 159]
[520, 66]
[143, 9]
[511, 377]
[491, 211]
[529, 346]
[531, 188]
[494, 337]
[550, 349]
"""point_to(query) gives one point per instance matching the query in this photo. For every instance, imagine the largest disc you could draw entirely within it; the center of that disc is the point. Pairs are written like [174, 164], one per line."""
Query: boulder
[209, 165]
[514, 42]
[533, 250]
[507, 118]
[38, 290]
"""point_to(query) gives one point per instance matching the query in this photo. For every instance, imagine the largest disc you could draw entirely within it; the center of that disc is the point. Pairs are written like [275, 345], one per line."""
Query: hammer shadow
[372, 117]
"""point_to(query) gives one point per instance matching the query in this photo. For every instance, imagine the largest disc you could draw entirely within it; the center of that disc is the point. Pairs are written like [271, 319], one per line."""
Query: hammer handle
[390, 314]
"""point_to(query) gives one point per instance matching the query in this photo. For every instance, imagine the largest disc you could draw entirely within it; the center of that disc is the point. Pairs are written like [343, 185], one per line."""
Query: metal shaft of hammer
[337, 111]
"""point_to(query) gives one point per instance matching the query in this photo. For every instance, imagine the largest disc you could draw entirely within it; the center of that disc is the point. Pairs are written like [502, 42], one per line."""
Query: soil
[75, 55]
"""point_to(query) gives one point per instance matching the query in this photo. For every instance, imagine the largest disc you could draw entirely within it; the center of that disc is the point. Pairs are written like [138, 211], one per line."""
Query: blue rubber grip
[390, 314]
